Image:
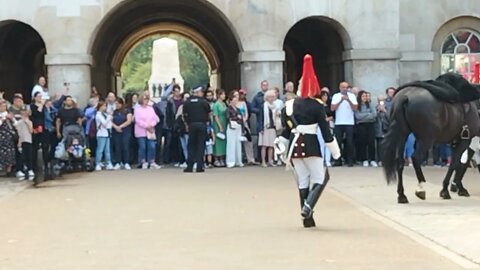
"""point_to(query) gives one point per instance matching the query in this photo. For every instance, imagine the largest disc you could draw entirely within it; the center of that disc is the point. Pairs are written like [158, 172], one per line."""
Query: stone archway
[132, 21]
[22, 58]
[323, 38]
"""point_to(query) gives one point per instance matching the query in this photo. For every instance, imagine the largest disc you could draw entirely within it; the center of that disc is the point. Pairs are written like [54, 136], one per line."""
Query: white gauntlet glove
[334, 149]
[281, 145]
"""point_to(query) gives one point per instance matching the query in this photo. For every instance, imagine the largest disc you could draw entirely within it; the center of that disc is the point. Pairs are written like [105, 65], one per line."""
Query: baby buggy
[71, 154]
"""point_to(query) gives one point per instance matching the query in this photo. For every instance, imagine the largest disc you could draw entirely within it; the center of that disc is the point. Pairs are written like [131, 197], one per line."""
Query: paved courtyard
[234, 219]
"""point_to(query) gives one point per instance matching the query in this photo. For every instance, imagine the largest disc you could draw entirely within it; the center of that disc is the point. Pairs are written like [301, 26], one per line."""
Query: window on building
[460, 52]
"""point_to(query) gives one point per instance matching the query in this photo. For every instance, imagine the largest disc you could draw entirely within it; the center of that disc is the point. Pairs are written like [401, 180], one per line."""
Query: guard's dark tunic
[306, 111]
[196, 112]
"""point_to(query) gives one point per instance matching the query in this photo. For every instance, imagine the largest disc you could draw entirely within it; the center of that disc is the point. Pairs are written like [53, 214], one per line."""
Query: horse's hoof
[463, 193]
[402, 199]
[421, 194]
[444, 194]
[453, 188]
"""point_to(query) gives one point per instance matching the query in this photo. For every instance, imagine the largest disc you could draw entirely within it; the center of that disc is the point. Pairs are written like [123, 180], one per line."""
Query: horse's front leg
[459, 169]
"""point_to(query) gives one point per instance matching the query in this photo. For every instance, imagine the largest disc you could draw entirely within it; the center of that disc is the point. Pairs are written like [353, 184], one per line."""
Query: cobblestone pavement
[223, 219]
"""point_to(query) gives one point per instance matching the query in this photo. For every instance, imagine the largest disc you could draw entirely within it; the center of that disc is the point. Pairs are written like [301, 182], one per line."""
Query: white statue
[165, 66]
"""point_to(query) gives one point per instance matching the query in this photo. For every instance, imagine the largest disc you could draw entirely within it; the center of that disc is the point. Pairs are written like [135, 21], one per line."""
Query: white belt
[300, 130]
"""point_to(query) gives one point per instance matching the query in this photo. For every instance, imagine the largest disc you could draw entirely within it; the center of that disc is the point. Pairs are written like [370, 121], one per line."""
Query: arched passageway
[21, 58]
[323, 38]
[132, 21]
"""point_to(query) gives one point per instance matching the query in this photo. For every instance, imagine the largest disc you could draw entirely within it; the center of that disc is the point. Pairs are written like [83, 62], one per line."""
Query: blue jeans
[103, 148]
[121, 146]
[184, 143]
[409, 146]
[146, 147]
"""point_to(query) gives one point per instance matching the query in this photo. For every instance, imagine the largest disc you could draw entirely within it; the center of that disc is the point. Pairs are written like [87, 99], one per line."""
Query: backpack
[92, 129]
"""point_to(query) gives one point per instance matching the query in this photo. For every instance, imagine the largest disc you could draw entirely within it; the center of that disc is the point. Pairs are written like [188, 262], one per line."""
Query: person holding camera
[381, 126]
[345, 104]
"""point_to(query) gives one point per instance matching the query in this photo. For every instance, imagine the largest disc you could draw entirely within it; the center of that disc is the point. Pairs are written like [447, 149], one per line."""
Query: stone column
[71, 68]
[372, 69]
[215, 79]
[257, 66]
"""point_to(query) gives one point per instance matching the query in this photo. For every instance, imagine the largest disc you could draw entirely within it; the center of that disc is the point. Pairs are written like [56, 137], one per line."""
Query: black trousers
[196, 144]
[366, 141]
[41, 140]
[346, 131]
[379, 149]
[25, 163]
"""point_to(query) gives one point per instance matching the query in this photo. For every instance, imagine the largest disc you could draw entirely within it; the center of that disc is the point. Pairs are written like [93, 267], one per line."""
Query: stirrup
[307, 211]
[465, 133]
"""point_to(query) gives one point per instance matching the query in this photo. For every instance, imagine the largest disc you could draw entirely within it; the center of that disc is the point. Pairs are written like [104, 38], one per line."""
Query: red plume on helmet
[309, 86]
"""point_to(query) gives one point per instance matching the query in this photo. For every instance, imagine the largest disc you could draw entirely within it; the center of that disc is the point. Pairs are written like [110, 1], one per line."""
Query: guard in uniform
[299, 143]
[196, 112]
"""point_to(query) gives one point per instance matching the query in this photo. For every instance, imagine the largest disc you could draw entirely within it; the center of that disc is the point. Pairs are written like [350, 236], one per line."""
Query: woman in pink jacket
[145, 121]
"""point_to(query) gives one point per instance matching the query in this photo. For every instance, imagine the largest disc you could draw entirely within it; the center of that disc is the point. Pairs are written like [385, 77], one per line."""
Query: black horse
[437, 111]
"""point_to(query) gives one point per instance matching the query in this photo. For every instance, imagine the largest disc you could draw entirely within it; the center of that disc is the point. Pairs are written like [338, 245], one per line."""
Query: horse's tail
[394, 138]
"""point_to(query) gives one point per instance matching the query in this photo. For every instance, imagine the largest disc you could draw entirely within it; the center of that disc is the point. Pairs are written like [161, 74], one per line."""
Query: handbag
[151, 136]
[247, 134]
[38, 130]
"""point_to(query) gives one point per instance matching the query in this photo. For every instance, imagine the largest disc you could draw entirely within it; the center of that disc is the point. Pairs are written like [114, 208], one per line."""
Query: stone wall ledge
[261, 56]
[371, 54]
[68, 59]
[417, 56]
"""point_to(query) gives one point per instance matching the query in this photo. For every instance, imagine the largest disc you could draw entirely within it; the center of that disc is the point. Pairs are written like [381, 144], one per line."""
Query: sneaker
[328, 165]
[183, 165]
[109, 166]
[117, 167]
[365, 164]
[31, 175]
[98, 167]
[217, 163]
[176, 165]
[20, 176]
[241, 165]
[154, 166]
[127, 167]
[102, 164]
[373, 164]
[144, 165]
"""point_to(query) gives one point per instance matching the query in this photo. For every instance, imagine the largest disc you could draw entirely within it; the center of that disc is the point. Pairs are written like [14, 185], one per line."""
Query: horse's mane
[449, 87]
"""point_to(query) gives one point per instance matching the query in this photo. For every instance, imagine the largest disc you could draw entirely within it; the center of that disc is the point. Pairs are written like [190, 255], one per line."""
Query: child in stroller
[71, 152]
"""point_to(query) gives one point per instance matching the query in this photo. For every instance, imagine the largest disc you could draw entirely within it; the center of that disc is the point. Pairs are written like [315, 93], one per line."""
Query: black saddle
[449, 87]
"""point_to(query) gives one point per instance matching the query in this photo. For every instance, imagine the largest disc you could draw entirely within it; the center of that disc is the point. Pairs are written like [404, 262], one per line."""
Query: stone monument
[165, 66]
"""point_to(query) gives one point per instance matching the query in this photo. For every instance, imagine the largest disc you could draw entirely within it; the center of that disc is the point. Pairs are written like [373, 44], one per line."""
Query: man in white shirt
[344, 104]
[40, 87]
[110, 100]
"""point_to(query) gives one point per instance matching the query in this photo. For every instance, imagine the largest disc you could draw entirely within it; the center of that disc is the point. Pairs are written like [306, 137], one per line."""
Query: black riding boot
[313, 196]
[307, 222]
